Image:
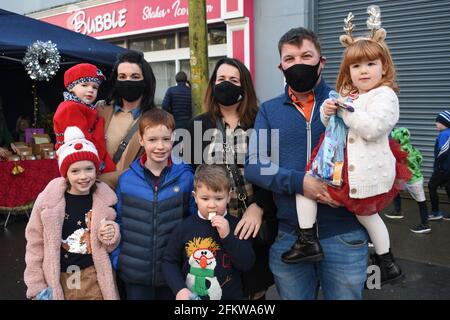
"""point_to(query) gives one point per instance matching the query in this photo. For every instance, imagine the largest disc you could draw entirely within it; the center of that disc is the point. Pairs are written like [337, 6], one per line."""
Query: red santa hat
[76, 148]
[83, 72]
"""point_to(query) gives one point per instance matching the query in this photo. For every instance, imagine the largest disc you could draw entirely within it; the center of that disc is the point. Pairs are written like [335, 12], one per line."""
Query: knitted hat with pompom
[75, 148]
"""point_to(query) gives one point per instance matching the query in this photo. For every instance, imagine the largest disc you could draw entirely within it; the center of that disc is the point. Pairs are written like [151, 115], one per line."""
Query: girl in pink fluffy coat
[72, 230]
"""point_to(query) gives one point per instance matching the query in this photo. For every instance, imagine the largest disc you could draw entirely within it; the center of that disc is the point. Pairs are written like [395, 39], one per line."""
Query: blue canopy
[17, 32]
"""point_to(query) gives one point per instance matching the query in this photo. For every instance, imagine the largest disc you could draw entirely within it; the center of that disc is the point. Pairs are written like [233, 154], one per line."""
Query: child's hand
[222, 225]
[107, 231]
[329, 108]
[183, 294]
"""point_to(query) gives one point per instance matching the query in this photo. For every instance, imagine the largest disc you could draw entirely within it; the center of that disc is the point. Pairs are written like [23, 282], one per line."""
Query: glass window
[165, 78]
[184, 39]
[142, 45]
[216, 35]
[120, 43]
[186, 67]
[156, 43]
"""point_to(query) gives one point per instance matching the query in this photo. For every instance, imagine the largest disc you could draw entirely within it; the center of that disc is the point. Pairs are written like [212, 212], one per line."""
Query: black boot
[390, 271]
[306, 248]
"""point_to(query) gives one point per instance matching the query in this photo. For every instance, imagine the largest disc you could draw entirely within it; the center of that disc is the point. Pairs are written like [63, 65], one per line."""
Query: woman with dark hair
[132, 93]
[231, 108]
[22, 123]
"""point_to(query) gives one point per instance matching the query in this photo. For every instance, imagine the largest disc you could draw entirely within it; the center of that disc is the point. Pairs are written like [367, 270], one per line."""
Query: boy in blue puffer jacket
[154, 196]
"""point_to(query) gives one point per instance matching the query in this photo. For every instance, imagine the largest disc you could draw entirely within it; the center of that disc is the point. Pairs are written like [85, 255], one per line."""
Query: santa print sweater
[71, 113]
[232, 257]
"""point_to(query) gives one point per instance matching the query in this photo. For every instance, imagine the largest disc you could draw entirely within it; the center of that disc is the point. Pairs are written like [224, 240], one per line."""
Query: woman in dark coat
[231, 107]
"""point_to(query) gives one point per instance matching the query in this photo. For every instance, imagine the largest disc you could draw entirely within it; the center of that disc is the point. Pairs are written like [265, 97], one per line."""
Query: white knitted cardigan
[371, 164]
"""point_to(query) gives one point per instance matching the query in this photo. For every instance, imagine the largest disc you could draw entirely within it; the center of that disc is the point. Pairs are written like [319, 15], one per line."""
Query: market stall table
[20, 190]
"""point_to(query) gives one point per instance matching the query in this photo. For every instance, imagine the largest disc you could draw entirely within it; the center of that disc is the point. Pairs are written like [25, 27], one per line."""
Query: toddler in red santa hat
[82, 82]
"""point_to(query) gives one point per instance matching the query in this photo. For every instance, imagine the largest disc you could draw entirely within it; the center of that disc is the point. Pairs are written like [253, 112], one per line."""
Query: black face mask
[302, 77]
[130, 90]
[227, 93]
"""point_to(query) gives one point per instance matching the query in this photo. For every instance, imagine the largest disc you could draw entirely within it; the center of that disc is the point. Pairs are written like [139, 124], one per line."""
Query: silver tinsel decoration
[42, 60]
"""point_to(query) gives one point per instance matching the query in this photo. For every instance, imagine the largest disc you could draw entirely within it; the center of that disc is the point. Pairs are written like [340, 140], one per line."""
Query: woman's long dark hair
[148, 99]
[248, 107]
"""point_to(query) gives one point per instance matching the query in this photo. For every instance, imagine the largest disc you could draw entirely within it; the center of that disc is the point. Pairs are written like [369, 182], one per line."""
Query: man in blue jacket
[178, 101]
[287, 128]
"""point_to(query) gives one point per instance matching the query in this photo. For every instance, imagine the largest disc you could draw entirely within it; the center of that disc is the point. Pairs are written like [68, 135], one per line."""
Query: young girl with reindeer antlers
[72, 230]
[374, 166]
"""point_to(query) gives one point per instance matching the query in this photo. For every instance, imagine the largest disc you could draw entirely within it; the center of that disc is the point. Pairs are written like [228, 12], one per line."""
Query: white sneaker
[394, 215]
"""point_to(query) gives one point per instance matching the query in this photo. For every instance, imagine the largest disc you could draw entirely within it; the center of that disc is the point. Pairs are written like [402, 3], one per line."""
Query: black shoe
[421, 228]
[390, 271]
[306, 248]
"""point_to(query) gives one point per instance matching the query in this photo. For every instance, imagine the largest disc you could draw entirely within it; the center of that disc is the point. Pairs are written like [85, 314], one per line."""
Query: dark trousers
[139, 292]
[423, 210]
[438, 180]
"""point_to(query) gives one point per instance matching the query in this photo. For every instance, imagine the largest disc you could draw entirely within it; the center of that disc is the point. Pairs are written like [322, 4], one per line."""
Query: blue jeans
[341, 274]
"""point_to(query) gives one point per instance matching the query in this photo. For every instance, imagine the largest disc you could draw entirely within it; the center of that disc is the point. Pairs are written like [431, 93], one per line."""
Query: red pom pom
[78, 146]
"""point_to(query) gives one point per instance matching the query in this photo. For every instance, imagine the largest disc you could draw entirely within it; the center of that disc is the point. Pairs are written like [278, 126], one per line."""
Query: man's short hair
[214, 176]
[181, 77]
[295, 36]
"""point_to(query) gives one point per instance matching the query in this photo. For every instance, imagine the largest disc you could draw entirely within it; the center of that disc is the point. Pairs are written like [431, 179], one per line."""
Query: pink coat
[44, 236]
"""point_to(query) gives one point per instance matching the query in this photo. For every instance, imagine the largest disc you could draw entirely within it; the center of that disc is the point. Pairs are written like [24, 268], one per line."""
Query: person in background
[178, 101]
[22, 123]
[133, 87]
[415, 185]
[441, 169]
[72, 229]
[205, 258]
[6, 139]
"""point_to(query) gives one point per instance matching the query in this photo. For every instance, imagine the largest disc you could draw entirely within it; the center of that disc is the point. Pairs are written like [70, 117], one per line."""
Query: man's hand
[317, 191]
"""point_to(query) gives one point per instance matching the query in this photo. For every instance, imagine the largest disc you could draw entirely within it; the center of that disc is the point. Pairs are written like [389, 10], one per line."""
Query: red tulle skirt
[371, 205]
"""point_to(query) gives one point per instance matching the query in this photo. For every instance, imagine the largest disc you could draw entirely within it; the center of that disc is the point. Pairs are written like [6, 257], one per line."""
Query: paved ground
[425, 259]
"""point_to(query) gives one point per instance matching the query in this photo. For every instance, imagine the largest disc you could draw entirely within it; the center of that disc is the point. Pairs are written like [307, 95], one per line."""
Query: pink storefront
[159, 28]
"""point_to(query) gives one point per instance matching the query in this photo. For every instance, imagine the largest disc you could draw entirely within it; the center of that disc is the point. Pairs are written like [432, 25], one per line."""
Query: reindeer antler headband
[377, 33]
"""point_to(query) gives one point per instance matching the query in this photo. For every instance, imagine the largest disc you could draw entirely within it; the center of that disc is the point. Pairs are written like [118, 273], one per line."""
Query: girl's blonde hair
[366, 49]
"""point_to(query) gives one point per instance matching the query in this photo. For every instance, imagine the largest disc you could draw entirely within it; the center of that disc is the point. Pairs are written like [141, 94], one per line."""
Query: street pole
[198, 47]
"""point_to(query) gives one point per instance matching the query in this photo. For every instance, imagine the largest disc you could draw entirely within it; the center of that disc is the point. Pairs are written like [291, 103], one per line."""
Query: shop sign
[129, 16]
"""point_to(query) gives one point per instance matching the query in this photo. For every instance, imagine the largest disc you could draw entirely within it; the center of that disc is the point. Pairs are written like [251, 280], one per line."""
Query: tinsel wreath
[42, 60]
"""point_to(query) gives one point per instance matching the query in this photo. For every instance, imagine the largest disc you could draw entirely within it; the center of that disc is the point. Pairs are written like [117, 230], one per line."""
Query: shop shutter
[418, 34]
